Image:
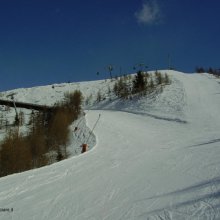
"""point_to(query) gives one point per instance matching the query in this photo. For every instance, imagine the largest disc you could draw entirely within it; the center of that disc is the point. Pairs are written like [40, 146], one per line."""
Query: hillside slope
[154, 159]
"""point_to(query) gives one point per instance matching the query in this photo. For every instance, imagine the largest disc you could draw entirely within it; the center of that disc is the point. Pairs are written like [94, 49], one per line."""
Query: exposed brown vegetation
[15, 155]
[48, 131]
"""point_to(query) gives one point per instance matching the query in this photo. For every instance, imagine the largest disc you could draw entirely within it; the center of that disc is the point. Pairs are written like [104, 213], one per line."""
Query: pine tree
[21, 118]
[115, 88]
[151, 85]
[99, 96]
[159, 78]
[139, 83]
[166, 79]
[16, 121]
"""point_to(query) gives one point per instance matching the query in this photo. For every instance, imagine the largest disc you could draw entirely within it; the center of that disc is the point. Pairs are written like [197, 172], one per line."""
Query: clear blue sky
[52, 41]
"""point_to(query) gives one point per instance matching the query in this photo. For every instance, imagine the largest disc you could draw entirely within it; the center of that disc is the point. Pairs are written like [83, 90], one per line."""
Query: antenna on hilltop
[110, 69]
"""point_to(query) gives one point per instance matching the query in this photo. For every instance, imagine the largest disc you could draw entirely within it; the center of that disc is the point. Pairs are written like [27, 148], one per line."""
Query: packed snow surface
[154, 159]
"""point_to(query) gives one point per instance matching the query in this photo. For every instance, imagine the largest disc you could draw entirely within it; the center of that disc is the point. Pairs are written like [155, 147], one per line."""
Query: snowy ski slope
[155, 158]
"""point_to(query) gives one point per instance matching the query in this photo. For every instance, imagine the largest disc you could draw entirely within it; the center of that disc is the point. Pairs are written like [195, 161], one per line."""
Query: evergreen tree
[99, 96]
[151, 85]
[21, 118]
[139, 83]
[16, 121]
[166, 79]
[200, 70]
[159, 78]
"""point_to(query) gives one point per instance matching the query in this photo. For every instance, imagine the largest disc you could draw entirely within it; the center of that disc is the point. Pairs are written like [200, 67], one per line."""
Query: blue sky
[51, 41]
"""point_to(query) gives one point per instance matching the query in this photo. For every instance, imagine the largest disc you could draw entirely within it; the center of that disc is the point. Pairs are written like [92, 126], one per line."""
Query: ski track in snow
[155, 159]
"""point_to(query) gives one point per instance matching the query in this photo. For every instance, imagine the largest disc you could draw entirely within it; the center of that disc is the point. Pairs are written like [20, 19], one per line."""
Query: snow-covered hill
[155, 158]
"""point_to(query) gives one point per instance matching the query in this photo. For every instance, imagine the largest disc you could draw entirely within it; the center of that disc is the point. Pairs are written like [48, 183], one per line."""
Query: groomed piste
[154, 158]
